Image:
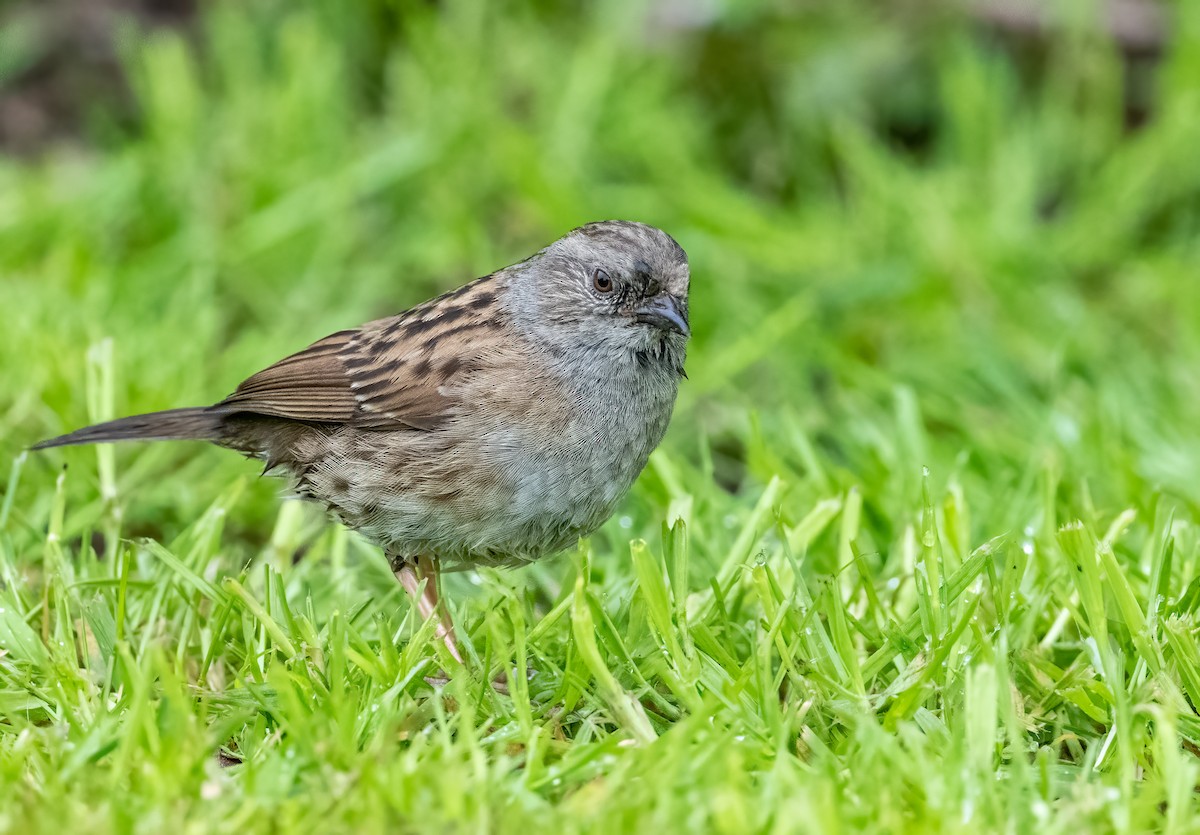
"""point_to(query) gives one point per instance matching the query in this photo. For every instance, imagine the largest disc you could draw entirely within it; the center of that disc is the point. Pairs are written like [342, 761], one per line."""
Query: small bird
[492, 425]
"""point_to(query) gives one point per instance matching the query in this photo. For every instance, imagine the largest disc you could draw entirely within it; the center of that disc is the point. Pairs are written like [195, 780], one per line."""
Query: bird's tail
[198, 423]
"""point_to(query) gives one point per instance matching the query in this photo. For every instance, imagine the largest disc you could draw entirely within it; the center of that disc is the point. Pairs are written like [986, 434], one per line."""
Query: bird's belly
[505, 494]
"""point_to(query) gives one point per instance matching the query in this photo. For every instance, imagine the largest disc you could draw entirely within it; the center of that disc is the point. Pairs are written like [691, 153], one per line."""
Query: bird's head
[610, 286]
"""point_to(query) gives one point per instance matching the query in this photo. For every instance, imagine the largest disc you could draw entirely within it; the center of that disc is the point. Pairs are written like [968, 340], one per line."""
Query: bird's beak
[665, 312]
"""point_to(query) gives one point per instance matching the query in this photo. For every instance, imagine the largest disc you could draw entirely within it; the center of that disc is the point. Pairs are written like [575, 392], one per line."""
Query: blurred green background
[944, 256]
[876, 199]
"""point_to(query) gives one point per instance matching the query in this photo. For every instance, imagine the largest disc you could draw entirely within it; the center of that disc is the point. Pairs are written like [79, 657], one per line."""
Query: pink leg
[426, 599]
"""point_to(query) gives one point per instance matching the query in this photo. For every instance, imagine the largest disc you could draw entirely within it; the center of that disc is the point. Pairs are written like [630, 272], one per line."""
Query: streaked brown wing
[309, 385]
[390, 373]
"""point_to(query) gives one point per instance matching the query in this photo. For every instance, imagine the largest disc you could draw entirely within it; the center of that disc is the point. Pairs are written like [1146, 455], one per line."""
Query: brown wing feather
[390, 373]
[309, 385]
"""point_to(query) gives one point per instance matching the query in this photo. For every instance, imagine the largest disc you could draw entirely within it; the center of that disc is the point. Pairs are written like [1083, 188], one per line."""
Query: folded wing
[392, 373]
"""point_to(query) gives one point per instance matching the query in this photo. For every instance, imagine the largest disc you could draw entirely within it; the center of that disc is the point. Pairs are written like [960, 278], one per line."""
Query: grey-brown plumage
[494, 424]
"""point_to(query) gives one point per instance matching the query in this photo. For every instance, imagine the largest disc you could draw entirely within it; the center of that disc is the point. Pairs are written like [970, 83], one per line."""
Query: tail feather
[198, 423]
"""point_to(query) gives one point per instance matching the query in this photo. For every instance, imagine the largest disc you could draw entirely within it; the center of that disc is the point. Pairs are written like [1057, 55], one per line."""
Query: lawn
[919, 553]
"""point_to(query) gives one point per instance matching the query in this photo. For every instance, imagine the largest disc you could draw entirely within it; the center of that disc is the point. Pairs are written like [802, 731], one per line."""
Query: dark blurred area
[61, 75]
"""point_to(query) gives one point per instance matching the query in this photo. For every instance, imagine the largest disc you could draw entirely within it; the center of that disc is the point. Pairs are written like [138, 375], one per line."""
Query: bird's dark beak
[665, 312]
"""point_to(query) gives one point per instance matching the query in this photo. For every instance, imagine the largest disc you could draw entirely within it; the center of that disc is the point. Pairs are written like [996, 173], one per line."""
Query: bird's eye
[601, 281]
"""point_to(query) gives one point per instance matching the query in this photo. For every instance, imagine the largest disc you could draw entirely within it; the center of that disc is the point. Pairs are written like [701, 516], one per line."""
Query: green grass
[920, 550]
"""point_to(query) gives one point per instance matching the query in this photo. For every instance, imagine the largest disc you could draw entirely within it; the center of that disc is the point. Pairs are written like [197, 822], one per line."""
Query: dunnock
[492, 425]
